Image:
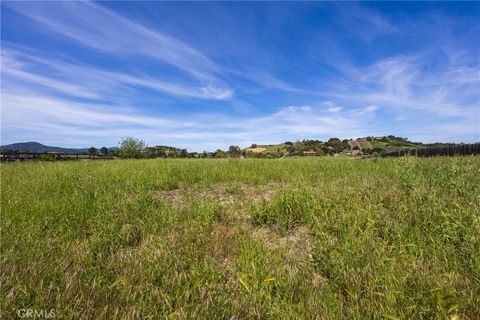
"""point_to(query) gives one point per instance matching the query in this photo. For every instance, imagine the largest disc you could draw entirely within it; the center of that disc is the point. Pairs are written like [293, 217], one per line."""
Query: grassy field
[318, 238]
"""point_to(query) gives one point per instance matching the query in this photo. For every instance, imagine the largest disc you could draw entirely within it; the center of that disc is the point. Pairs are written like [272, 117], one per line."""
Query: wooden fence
[10, 156]
[458, 149]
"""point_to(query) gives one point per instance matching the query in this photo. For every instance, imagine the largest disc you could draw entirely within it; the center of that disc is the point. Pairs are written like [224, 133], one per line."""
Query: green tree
[327, 150]
[150, 152]
[160, 152]
[220, 154]
[131, 147]
[234, 151]
[104, 150]
[336, 144]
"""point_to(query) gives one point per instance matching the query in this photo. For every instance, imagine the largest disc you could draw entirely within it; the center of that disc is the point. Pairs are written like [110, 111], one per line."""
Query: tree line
[131, 147]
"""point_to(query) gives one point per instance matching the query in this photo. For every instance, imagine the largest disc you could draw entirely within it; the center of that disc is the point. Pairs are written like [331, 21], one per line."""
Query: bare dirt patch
[169, 196]
[296, 245]
[222, 193]
[360, 143]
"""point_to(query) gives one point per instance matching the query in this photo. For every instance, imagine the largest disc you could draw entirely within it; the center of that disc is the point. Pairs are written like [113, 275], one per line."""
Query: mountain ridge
[33, 146]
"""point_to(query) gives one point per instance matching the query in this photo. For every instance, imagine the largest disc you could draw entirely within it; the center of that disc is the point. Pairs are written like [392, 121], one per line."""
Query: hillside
[364, 145]
[33, 146]
[360, 144]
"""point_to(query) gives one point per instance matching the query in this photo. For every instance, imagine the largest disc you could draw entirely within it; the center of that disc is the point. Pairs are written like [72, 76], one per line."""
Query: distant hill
[368, 145]
[33, 146]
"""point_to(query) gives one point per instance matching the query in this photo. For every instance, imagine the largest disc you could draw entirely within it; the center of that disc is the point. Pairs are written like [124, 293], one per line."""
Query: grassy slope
[274, 148]
[272, 239]
[389, 145]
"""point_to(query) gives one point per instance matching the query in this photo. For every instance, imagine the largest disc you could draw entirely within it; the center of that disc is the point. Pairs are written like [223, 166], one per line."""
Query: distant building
[356, 153]
[309, 153]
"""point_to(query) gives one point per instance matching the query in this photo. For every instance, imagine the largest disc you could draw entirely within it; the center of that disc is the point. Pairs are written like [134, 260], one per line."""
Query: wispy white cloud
[64, 122]
[74, 102]
[35, 109]
[402, 83]
[95, 27]
[88, 82]
[331, 107]
[366, 22]
[67, 123]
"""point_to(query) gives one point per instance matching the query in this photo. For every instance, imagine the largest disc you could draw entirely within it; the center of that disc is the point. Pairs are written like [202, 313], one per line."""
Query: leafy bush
[131, 148]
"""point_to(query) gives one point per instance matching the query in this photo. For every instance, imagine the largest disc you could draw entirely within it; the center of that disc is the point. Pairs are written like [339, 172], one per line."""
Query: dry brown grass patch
[224, 194]
[257, 149]
[296, 245]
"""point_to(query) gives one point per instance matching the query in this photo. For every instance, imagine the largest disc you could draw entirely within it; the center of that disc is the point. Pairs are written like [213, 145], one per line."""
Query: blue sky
[207, 75]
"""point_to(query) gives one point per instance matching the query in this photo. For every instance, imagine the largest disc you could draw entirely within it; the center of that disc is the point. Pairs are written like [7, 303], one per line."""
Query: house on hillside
[309, 153]
[355, 153]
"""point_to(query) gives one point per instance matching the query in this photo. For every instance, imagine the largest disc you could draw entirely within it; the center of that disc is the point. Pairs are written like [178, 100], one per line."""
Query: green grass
[317, 238]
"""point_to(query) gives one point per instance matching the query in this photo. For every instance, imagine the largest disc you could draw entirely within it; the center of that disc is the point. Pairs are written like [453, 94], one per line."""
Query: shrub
[131, 148]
